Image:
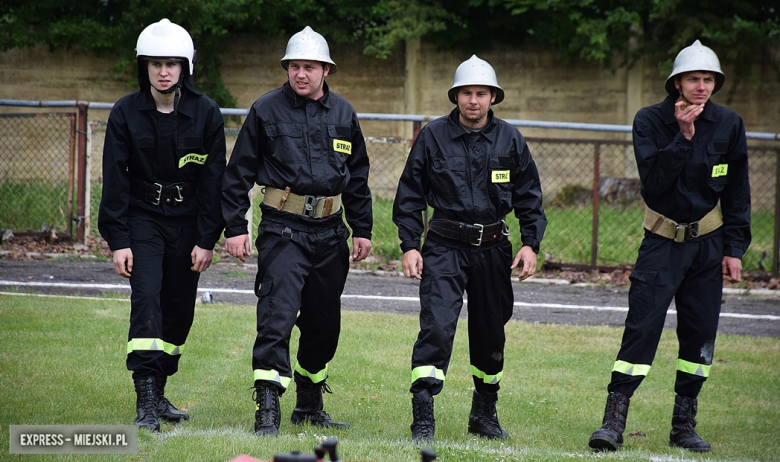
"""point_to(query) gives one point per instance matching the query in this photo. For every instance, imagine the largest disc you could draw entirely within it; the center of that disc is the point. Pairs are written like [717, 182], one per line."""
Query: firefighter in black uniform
[304, 145]
[163, 160]
[473, 169]
[692, 160]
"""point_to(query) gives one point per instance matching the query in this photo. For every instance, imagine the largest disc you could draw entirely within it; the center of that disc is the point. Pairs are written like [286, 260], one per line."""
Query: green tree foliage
[615, 32]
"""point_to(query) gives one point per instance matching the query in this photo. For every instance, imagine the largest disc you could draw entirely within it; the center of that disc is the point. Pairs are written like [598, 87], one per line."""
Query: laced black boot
[309, 407]
[165, 409]
[424, 425]
[610, 436]
[683, 434]
[268, 415]
[483, 419]
[146, 403]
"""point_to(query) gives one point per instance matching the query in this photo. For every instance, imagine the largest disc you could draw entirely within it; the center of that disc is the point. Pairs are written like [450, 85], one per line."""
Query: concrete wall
[414, 79]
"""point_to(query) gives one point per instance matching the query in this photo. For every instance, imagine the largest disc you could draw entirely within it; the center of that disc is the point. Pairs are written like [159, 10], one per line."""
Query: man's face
[307, 77]
[473, 104]
[163, 74]
[696, 87]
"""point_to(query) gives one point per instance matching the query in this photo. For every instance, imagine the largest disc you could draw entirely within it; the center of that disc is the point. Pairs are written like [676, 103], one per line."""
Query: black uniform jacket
[473, 178]
[130, 150]
[684, 179]
[314, 147]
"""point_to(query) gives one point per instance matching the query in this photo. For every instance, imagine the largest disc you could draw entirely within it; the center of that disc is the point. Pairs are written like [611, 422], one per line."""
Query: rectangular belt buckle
[681, 233]
[159, 194]
[310, 205]
[481, 231]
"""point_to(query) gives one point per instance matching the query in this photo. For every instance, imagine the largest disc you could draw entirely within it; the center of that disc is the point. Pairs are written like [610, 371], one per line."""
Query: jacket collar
[187, 102]
[488, 131]
[296, 100]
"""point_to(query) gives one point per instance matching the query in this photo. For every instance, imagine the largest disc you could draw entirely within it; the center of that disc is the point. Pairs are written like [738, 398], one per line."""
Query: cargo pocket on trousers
[641, 296]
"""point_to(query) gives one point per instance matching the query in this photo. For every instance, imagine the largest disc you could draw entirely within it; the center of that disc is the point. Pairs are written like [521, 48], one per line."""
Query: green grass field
[62, 362]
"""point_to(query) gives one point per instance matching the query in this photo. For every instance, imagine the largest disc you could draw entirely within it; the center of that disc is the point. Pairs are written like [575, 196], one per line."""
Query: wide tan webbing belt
[308, 206]
[681, 232]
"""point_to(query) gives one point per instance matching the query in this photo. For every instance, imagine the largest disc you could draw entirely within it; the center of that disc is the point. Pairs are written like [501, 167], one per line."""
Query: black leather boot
[683, 434]
[424, 425]
[610, 436]
[165, 409]
[309, 407]
[483, 419]
[268, 415]
[146, 403]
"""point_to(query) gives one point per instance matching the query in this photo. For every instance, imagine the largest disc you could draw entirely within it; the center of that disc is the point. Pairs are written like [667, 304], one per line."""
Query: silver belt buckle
[159, 194]
[310, 204]
[481, 231]
[178, 193]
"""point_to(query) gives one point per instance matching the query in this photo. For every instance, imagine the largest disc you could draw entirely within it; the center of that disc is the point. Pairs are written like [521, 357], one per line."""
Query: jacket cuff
[236, 231]
[733, 251]
[364, 233]
[206, 244]
[533, 243]
[410, 245]
[123, 243]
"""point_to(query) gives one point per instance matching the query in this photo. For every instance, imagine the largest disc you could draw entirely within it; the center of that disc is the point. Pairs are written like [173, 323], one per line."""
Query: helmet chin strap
[176, 89]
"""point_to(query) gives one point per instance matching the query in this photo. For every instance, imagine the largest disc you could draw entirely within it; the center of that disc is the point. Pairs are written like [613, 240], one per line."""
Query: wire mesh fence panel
[35, 168]
[764, 170]
[602, 229]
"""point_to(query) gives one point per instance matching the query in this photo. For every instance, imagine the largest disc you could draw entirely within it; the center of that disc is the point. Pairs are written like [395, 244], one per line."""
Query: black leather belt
[156, 194]
[474, 234]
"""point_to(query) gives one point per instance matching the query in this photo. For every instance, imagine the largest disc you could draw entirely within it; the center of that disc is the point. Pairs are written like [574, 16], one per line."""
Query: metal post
[594, 242]
[71, 174]
[81, 183]
[776, 246]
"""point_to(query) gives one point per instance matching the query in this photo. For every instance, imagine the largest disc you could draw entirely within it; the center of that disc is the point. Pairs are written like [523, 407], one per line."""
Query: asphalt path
[754, 314]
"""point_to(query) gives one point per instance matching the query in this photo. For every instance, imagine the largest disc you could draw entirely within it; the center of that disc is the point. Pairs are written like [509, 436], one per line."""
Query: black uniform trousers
[690, 272]
[301, 287]
[164, 289]
[484, 274]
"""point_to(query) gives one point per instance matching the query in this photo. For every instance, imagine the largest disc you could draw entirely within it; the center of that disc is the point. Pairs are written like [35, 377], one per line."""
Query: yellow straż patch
[500, 176]
[199, 159]
[342, 146]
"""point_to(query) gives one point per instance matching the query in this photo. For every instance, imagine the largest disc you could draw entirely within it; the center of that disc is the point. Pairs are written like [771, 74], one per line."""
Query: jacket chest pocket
[339, 145]
[192, 155]
[501, 176]
[285, 143]
[717, 167]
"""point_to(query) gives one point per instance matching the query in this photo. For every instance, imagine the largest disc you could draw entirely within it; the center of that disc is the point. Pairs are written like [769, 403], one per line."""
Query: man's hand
[732, 268]
[412, 264]
[528, 257]
[361, 247]
[686, 114]
[201, 259]
[238, 246]
[123, 262]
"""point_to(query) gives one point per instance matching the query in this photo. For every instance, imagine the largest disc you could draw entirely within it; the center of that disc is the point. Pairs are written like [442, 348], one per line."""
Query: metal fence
[50, 177]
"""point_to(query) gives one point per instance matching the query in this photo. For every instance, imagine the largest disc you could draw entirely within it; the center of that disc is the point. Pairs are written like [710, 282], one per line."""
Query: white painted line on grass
[767, 317]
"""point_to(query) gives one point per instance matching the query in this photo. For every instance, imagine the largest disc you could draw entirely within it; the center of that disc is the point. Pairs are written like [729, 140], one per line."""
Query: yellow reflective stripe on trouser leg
[315, 378]
[272, 376]
[427, 371]
[631, 369]
[153, 344]
[489, 379]
[702, 370]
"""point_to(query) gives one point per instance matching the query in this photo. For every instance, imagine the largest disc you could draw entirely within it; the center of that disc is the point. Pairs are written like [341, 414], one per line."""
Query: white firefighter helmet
[696, 57]
[165, 39]
[308, 45]
[475, 71]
